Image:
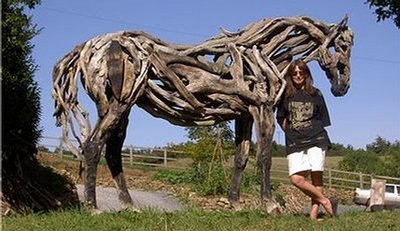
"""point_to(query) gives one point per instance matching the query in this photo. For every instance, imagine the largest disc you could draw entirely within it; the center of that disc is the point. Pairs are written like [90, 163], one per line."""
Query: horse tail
[97, 63]
[109, 66]
[65, 90]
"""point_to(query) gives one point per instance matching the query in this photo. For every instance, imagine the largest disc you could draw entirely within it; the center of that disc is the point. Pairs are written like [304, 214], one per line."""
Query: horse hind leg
[243, 128]
[91, 157]
[114, 161]
[113, 110]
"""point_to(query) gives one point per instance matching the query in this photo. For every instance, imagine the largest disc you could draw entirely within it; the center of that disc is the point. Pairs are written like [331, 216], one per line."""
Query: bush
[362, 161]
[206, 180]
[214, 181]
[43, 148]
[392, 163]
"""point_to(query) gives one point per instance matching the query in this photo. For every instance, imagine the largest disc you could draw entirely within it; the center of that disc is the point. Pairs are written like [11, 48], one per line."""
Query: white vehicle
[392, 196]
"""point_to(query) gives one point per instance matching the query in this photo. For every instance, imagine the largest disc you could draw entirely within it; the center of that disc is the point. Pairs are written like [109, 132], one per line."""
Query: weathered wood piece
[234, 75]
[377, 196]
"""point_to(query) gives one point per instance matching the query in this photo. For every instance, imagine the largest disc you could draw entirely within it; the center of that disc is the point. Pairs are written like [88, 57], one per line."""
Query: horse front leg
[264, 161]
[265, 127]
[243, 128]
[114, 162]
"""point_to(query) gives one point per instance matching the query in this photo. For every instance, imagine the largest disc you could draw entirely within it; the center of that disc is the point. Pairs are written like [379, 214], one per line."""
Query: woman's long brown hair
[290, 90]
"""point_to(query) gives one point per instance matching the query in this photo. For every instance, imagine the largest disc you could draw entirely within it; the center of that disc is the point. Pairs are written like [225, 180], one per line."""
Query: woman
[302, 115]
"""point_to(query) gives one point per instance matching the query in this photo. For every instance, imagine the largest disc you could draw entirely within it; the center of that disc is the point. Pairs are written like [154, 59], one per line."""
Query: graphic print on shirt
[300, 114]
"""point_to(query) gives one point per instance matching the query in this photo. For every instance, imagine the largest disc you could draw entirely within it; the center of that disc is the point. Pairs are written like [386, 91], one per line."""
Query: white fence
[166, 158]
[156, 157]
[334, 178]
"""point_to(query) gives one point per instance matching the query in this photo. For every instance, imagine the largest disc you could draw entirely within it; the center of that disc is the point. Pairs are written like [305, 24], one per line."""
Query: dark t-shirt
[306, 116]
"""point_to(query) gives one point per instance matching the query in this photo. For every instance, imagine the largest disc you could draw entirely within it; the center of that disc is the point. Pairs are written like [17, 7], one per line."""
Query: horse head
[337, 64]
[281, 40]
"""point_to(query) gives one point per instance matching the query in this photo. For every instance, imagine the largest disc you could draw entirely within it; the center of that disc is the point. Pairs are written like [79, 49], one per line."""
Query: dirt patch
[292, 199]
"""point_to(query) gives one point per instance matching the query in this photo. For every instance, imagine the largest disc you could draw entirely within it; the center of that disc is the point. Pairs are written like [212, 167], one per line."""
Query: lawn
[197, 219]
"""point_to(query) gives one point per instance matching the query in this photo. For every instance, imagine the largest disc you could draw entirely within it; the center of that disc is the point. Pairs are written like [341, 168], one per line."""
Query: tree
[396, 144]
[20, 94]
[203, 140]
[385, 9]
[392, 164]
[278, 150]
[379, 146]
[43, 148]
[362, 161]
[208, 147]
[23, 177]
[198, 133]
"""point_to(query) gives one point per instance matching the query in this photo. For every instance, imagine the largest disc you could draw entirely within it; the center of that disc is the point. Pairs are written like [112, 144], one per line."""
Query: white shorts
[312, 159]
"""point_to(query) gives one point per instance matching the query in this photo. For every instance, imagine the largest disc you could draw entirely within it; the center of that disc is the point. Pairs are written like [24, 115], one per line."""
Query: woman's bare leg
[299, 180]
[316, 179]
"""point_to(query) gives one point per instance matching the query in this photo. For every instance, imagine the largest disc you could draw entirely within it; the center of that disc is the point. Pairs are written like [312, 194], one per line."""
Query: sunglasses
[298, 73]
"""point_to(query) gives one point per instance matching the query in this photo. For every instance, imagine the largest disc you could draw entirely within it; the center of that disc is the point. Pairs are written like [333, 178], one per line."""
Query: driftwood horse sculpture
[235, 75]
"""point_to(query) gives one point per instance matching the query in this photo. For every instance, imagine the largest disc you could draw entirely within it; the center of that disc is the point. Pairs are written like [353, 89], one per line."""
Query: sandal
[334, 203]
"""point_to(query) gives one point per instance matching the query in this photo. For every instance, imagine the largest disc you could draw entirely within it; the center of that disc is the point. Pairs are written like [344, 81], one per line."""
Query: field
[201, 213]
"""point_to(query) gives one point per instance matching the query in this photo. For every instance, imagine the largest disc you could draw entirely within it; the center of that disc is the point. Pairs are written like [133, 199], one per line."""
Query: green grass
[196, 219]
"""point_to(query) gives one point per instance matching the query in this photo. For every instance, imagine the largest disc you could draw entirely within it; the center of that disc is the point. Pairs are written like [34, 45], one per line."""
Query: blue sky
[371, 107]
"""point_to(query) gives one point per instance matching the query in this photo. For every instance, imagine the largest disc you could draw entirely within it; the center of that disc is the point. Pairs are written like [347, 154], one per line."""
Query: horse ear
[115, 66]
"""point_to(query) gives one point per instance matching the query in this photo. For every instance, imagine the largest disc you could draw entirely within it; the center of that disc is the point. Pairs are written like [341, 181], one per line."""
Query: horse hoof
[273, 208]
[236, 206]
[134, 209]
[96, 211]
[131, 208]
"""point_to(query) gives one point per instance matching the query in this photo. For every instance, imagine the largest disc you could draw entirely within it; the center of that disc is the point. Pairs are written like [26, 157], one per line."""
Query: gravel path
[341, 209]
[107, 200]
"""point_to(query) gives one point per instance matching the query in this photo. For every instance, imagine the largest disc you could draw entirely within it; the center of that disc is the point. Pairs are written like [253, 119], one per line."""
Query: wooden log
[377, 199]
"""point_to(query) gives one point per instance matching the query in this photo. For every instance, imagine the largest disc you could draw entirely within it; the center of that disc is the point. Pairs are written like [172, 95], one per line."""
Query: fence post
[61, 151]
[361, 180]
[131, 155]
[165, 157]
[329, 178]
